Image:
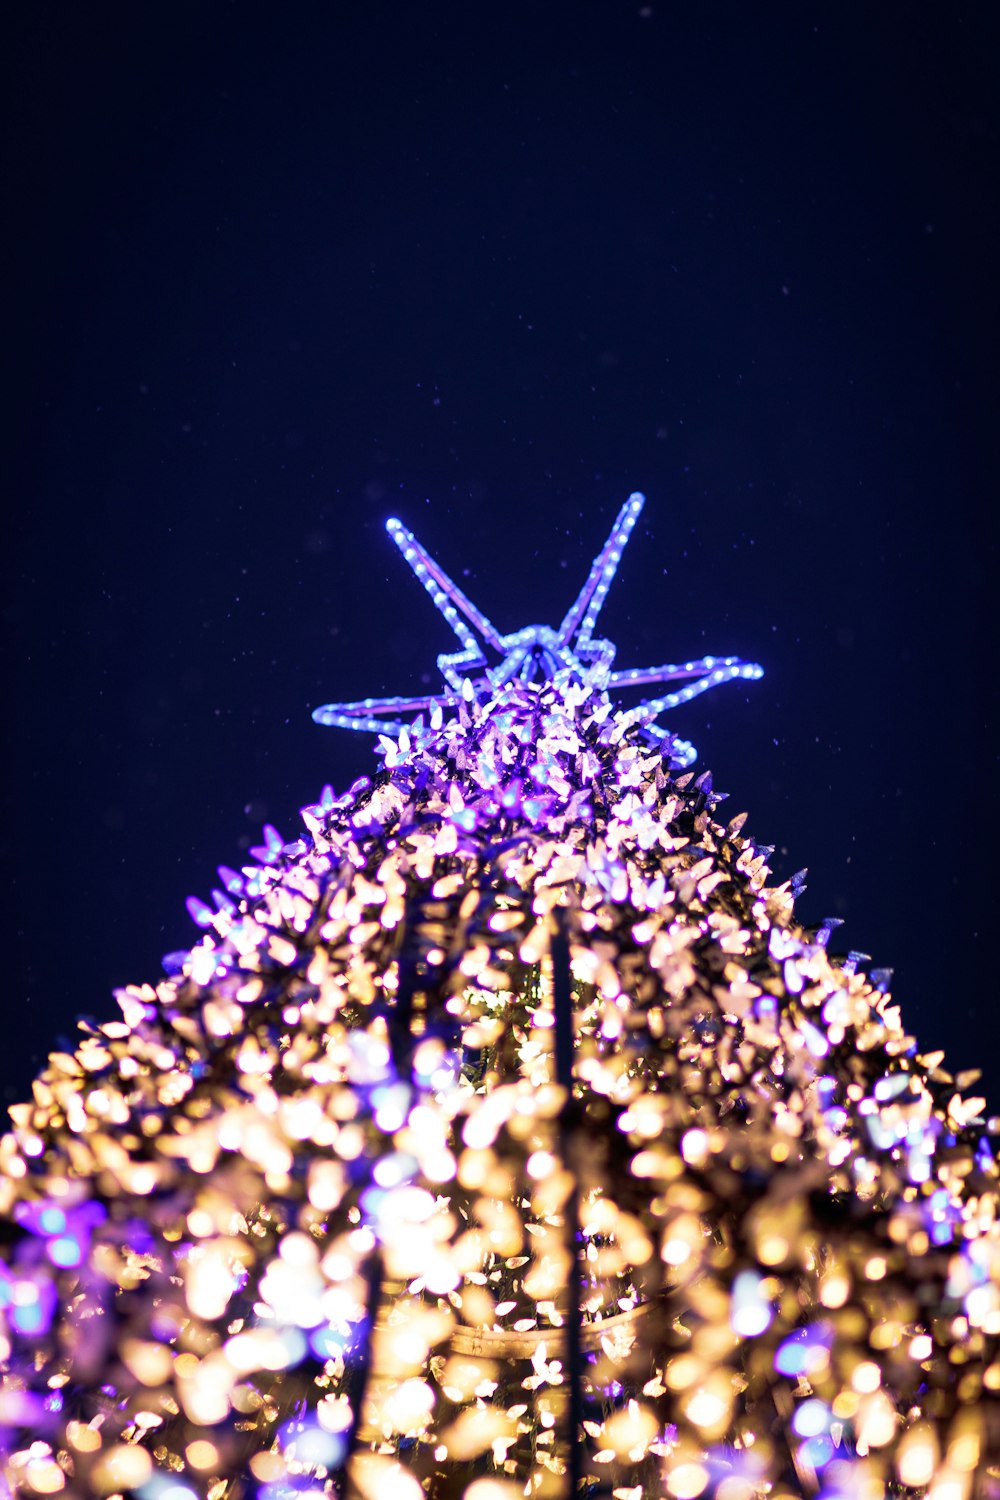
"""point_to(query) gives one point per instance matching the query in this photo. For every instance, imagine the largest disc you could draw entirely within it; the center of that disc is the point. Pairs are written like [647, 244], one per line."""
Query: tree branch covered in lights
[504, 1135]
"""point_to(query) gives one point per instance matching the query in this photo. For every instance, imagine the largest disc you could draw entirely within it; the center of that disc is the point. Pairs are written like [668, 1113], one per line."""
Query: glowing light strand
[582, 614]
[361, 715]
[442, 589]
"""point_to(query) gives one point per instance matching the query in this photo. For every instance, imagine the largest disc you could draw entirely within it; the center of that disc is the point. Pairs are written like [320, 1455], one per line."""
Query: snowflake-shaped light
[536, 651]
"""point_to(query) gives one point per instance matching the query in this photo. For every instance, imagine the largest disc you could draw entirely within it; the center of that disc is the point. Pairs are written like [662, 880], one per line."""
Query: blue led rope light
[360, 715]
[583, 612]
[537, 650]
[426, 570]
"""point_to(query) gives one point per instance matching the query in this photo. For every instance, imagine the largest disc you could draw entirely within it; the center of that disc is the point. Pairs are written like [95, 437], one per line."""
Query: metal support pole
[568, 1133]
[399, 1021]
[360, 1369]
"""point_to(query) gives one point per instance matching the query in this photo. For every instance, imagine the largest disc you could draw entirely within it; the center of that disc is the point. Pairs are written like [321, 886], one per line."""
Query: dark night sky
[276, 273]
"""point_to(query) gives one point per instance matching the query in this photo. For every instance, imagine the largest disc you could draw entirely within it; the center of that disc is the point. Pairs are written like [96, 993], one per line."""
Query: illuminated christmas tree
[504, 1135]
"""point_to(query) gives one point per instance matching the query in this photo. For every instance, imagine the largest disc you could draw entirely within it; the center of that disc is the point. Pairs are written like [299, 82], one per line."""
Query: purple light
[804, 1351]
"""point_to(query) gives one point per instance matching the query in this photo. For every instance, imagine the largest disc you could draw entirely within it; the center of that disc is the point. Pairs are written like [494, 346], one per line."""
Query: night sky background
[274, 274]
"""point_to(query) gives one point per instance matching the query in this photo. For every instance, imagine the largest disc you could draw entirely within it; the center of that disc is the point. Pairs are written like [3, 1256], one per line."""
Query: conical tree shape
[503, 1136]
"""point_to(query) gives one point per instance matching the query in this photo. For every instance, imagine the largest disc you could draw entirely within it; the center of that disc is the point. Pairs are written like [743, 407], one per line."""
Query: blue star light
[536, 651]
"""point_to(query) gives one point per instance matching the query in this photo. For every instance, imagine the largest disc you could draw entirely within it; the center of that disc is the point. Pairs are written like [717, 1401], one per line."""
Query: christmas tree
[504, 1135]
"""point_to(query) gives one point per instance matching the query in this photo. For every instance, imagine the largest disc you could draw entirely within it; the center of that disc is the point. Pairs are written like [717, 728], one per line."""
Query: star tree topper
[536, 651]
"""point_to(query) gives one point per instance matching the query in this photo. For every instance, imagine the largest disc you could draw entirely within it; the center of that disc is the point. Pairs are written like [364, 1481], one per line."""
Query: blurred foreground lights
[750, 1310]
[686, 1481]
[44, 1475]
[201, 1454]
[695, 1147]
[123, 1467]
[381, 1478]
[307, 1446]
[917, 1457]
[407, 1408]
[540, 1164]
